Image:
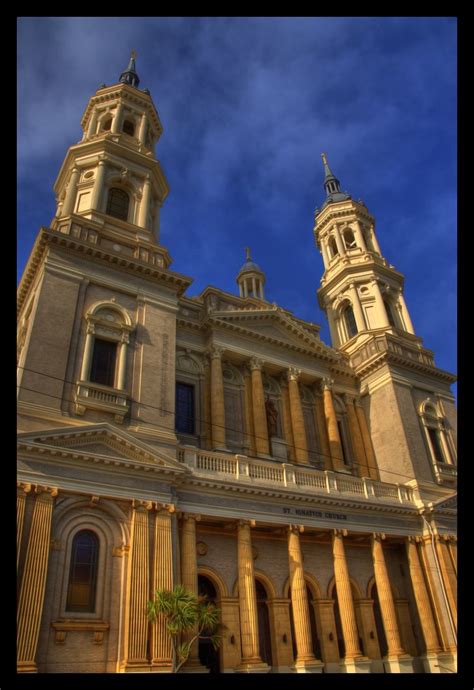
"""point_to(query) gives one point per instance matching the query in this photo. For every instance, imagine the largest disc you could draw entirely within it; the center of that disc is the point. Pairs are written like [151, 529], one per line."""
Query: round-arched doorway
[264, 635]
[208, 656]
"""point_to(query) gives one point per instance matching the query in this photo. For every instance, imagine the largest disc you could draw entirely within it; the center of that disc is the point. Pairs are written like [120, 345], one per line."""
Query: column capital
[378, 536]
[246, 523]
[295, 529]
[40, 489]
[349, 398]
[327, 383]
[189, 516]
[256, 363]
[23, 488]
[293, 374]
[90, 328]
[414, 539]
[339, 532]
[216, 351]
[146, 505]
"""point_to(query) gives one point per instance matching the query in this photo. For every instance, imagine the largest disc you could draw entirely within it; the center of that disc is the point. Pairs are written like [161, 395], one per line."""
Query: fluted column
[344, 596]
[139, 591]
[247, 596]
[379, 305]
[189, 574]
[122, 364]
[98, 186]
[217, 398]
[259, 414]
[22, 491]
[369, 450]
[248, 413]
[297, 418]
[142, 130]
[335, 446]
[286, 418]
[322, 429]
[422, 597]
[448, 575]
[68, 205]
[162, 578]
[358, 313]
[33, 584]
[299, 599]
[384, 591]
[144, 203]
[356, 437]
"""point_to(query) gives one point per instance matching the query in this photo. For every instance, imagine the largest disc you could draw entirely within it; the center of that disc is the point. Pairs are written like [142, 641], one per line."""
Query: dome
[250, 266]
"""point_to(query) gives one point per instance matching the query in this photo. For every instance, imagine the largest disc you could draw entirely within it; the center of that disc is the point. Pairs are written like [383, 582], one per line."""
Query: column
[356, 437]
[87, 357]
[247, 598]
[142, 130]
[375, 243]
[217, 398]
[340, 244]
[324, 252]
[241, 291]
[117, 119]
[162, 578]
[248, 413]
[337, 457]
[297, 419]
[189, 575]
[68, 206]
[379, 305]
[207, 404]
[22, 491]
[144, 203]
[326, 625]
[98, 187]
[299, 600]
[139, 588]
[448, 575]
[344, 596]
[286, 418]
[122, 366]
[405, 314]
[384, 591]
[359, 236]
[422, 597]
[91, 130]
[336, 339]
[33, 585]
[358, 313]
[260, 285]
[254, 286]
[259, 414]
[321, 427]
[369, 450]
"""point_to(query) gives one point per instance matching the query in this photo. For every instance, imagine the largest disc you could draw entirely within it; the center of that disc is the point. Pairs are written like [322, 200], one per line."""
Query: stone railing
[250, 471]
[97, 397]
[445, 471]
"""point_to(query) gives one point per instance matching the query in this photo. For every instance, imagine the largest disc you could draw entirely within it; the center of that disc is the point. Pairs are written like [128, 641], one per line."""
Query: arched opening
[390, 314]
[378, 621]
[129, 128]
[106, 124]
[83, 572]
[312, 619]
[349, 320]
[264, 636]
[332, 247]
[118, 202]
[208, 656]
[349, 239]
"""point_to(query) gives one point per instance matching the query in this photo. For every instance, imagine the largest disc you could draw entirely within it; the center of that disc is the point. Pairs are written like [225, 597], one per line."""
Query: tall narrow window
[332, 247]
[129, 128]
[117, 203]
[390, 316]
[349, 239]
[103, 362]
[436, 444]
[343, 443]
[106, 124]
[83, 572]
[184, 408]
[350, 321]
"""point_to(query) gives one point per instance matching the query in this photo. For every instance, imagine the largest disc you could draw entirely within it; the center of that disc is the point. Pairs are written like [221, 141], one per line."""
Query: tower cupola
[332, 185]
[130, 75]
[251, 279]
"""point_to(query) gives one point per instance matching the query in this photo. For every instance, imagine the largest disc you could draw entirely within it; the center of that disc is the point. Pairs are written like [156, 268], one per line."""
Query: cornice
[379, 359]
[337, 210]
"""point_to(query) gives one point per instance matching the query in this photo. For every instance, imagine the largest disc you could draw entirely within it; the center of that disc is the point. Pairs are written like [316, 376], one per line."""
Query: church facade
[216, 441]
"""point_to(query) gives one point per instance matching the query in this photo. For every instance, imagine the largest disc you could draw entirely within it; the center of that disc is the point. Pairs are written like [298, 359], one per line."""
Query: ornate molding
[256, 363]
[293, 374]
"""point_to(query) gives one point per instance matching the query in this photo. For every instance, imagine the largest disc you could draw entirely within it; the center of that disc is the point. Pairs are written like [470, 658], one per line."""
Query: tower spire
[130, 75]
[332, 184]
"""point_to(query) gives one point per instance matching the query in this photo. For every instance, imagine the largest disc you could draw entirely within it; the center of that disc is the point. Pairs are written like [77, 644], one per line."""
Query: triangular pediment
[100, 440]
[449, 503]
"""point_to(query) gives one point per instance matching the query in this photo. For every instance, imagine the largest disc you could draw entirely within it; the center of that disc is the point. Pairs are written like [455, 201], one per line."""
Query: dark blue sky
[247, 106]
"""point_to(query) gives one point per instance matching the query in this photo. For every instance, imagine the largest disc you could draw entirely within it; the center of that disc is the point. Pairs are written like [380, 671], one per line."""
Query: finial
[133, 54]
[323, 156]
[247, 252]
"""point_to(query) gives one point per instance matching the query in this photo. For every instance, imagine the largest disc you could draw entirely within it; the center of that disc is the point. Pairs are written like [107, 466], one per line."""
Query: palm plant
[184, 611]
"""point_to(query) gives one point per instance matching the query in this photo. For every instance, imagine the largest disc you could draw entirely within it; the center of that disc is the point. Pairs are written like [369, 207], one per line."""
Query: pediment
[100, 440]
[450, 503]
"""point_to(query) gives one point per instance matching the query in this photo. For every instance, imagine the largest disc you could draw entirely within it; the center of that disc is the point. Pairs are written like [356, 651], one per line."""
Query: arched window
[264, 634]
[349, 239]
[332, 247]
[129, 128]
[83, 572]
[106, 124]
[349, 320]
[390, 314]
[117, 203]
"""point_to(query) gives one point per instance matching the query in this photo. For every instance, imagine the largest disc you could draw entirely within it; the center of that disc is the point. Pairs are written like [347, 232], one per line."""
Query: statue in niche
[272, 417]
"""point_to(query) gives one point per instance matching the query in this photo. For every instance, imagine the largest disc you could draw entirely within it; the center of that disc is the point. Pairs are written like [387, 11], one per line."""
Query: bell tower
[112, 177]
[360, 291]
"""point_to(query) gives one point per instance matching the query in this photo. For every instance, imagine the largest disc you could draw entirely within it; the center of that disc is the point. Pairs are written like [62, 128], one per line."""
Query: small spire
[247, 253]
[130, 75]
[327, 171]
[331, 185]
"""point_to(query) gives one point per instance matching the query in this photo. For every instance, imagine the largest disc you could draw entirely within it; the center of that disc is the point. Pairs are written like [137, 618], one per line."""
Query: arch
[118, 203]
[355, 589]
[129, 125]
[391, 314]
[349, 238]
[83, 570]
[339, 404]
[215, 578]
[347, 314]
[113, 306]
[371, 583]
[271, 385]
[332, 247]
[231, 374]
[105, 122]
[189, 363]
[312, 583]
[429, 408]
[264, 579]
[306, 394]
